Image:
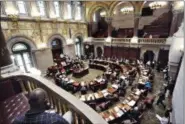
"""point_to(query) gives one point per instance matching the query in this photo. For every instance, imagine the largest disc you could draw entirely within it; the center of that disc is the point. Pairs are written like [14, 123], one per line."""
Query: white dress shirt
[163, 120]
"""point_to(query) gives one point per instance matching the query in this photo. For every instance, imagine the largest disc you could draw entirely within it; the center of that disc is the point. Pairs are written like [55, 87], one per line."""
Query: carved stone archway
[20, 38]
[94, 8]
[56, 36]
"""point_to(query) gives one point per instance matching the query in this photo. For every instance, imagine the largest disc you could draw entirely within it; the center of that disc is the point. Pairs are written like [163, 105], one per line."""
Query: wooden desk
[111, 90]
[81, 73]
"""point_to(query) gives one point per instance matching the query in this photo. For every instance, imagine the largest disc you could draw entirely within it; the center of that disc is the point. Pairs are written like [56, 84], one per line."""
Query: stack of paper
[132, 103]
[115, 86]
[82, 98]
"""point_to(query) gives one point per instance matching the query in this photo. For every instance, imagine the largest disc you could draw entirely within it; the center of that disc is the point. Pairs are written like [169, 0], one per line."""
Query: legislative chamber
[92, 62]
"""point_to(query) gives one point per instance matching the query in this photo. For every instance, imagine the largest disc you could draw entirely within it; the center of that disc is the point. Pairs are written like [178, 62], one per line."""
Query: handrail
[157, 41]
[59, 99]
[152, 40]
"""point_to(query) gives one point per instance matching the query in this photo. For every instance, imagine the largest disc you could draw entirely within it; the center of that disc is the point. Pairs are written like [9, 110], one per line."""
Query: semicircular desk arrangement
[104, 92]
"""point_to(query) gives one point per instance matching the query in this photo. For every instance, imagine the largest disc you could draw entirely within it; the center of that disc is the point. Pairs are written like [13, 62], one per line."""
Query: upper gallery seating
[159, 27]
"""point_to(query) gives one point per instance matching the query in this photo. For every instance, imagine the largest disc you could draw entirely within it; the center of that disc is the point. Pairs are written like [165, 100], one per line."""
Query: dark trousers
[161, 102]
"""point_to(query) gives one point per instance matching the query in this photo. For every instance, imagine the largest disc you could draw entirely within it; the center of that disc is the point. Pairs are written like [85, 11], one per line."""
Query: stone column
[109, 21]
[89, 29]
[136, 24]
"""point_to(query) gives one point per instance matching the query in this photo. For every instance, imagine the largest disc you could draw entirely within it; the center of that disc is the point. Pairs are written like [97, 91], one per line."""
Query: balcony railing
[152, 41]
[121, 40]
[60, 100]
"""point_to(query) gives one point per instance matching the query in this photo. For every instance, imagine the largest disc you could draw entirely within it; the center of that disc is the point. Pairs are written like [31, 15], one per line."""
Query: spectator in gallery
[37, 114]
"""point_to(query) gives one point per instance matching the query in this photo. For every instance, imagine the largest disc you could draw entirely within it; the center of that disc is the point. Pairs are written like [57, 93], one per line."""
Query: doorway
[99, 52]
[148, 56]
[57, 48]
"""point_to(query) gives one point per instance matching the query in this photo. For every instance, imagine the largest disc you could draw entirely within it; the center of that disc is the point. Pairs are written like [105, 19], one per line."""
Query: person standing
[37, 115]
[161, 98]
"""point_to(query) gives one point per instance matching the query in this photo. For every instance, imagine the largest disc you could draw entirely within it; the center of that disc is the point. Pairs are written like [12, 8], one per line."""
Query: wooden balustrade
[60, 100]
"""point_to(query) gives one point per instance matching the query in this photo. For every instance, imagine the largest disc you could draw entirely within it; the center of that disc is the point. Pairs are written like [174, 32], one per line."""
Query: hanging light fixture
[127, 10]
[103, 13]
[157, 4]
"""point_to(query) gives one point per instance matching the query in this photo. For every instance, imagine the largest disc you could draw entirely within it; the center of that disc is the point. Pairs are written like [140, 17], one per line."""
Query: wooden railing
[60, 100]
[156, 41]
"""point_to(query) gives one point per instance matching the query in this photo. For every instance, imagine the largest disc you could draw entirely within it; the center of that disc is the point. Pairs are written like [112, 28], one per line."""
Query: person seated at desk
[122, 83]
[83, 88]
[112, 97]
[121, 92]
[103, 106]
[148, 86]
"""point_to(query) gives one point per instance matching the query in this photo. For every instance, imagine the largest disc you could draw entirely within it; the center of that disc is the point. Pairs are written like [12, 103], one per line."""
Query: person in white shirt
[163, 120]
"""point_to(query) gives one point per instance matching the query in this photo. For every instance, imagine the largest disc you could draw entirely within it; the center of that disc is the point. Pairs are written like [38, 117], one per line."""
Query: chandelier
[127, 10]
[157, 4]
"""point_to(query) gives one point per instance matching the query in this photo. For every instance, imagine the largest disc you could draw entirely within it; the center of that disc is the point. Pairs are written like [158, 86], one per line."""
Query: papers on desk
[98, 80]
[105, 94]
[123, 77]
[111, 117]
[104, 91]
[118, 111]
[115, 86]
[82, 98]
[96, 95]
[138, 92]
[125, 101]
[132, 103]
[90, 97]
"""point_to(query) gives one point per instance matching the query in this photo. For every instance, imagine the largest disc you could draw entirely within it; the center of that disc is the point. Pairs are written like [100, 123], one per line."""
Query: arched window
[57, 8]
[78, 46]
[78, 11]
[21, 7]
[68, 10]
[57, 48]
[41, 8]
[22, 56]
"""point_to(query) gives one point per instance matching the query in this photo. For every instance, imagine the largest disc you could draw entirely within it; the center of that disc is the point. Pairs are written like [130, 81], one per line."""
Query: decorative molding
[31, 19]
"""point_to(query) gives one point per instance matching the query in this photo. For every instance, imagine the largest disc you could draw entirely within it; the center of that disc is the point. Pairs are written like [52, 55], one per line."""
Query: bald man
[36, 114]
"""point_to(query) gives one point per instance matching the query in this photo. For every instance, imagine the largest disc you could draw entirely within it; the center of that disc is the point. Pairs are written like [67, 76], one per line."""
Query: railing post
[22, 86]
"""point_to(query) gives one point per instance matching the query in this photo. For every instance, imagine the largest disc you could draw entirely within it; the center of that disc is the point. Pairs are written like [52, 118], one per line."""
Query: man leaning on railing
[37, 115]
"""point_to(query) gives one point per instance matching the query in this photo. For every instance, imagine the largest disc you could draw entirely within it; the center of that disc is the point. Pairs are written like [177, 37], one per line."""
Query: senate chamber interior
[91, 62]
